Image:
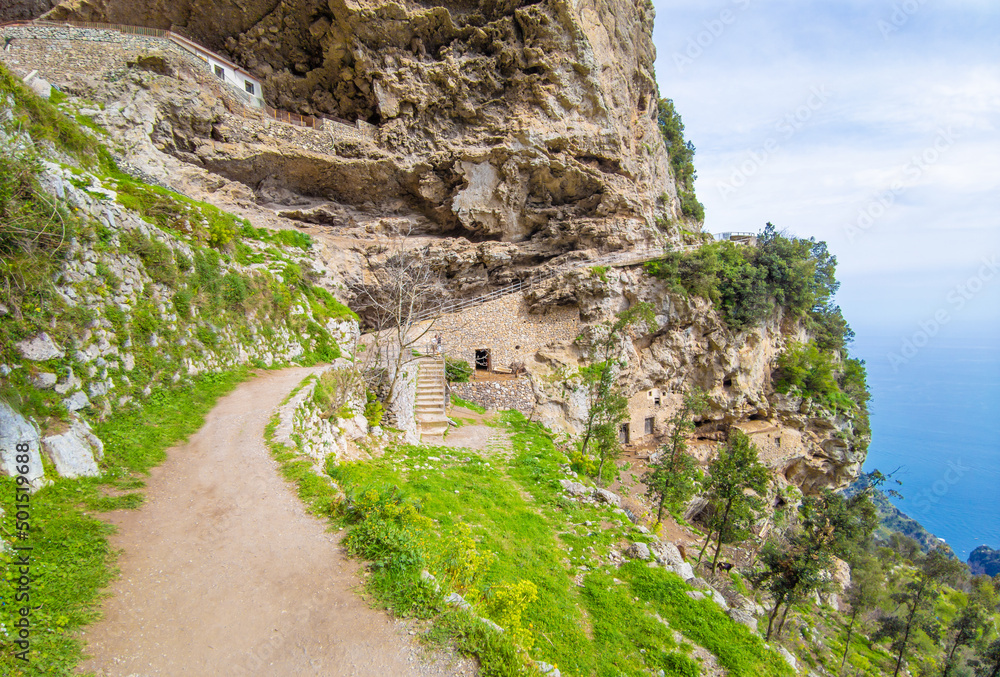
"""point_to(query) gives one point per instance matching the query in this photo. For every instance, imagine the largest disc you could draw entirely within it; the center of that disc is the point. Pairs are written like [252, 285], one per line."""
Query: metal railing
[612, 260]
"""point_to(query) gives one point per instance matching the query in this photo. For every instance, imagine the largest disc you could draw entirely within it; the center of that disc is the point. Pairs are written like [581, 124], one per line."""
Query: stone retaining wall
[506, 329]
[498, 395]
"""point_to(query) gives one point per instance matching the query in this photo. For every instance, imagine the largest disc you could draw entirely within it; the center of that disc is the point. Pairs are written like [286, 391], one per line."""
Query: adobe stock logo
[785, 128]
[910, 174]
[901, 13]
[712, 30]
[957, 298]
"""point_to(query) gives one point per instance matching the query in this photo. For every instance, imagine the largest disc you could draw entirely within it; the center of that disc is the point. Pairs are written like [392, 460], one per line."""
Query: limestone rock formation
[24, 10]
[806, 446]
[15, 431]
[509, 122]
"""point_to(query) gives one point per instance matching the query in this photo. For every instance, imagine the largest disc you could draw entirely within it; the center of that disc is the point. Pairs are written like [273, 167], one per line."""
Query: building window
[649, 425]
[249, 86]
[623, 435]
[656, 400]
[221, 72]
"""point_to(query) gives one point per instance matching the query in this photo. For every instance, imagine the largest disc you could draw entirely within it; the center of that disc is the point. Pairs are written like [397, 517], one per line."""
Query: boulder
[77, 401]
[69, 384]
[41, 87]
[39, 348]
[43, 380]
[575, 488]
[15, 430]
[638, 551]
[743, 618]
[608, 497]
[684, 570]
[789, 658]
[456, 600]
[718, 598]
[667, 553]
[75, 452]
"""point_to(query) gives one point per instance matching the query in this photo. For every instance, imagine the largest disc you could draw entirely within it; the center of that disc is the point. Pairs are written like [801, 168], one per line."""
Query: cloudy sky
[873, 125]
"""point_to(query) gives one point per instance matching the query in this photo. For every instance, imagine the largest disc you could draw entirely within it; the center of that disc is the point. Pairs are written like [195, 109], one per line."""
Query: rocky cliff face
[503, 139]
[804, 444]
[23, 10]
[513, 122]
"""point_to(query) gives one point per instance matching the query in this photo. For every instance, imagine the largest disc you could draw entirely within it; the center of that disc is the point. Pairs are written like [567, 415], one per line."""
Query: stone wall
[498, 395]
[302, 426]
[505, 328]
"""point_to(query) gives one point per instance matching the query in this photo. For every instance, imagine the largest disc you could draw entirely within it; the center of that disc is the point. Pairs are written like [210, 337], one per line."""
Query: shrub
[373, 410]
[388, 530]
[600, 272]
[457, 371]
[182, 302]
[506, 604]
[461, 563]
[46, 122]
[235, 291]
[156, 256]
[690, 206]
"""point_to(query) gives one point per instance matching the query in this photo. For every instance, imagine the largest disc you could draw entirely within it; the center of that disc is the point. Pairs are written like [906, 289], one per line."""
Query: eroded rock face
[511, 121]
[804, 444]
[24, 10]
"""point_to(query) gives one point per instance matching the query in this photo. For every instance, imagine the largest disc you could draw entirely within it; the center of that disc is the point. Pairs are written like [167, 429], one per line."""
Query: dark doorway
[649, 425]
[483, 359]
[623, 435]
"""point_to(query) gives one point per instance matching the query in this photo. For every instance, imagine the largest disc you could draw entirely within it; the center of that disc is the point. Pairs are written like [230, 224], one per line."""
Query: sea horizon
[935, 427]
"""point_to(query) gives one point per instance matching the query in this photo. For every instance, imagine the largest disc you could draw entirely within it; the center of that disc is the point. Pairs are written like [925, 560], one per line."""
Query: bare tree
[390, 299]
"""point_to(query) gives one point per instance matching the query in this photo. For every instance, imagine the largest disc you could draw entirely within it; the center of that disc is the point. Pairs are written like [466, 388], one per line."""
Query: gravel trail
[224, 573]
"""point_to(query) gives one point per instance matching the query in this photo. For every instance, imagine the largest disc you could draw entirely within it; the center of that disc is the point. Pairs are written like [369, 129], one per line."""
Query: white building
[246, 86]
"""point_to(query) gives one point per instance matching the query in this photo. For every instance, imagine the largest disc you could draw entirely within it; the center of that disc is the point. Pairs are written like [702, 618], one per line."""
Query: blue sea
[935, 415]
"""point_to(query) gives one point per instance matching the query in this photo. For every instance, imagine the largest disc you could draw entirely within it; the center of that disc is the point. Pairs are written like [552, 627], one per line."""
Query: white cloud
[874, 143]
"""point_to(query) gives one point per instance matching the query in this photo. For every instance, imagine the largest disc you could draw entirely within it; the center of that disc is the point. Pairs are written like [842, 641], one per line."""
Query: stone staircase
[429, 411]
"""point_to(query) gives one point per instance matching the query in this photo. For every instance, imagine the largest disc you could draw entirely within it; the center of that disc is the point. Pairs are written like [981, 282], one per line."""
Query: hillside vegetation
[152, 306]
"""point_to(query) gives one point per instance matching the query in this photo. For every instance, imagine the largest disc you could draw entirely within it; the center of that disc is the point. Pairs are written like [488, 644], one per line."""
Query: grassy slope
[507, 522]
[72, 560]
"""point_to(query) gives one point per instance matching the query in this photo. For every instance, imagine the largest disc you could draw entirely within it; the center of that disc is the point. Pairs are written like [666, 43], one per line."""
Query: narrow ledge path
[224, 573]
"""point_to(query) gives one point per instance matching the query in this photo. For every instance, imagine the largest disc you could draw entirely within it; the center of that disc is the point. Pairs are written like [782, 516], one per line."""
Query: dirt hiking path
[224, 573]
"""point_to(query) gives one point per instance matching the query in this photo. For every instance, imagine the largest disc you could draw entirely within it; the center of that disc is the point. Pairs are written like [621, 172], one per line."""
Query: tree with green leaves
[987, 660]
[864, 595]
[916, 600]
[829, 526]
[735, 483]
[970, 623]
[672, 479]
[607, 406]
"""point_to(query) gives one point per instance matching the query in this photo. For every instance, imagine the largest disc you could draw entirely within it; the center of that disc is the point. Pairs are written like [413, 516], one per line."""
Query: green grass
[471, 406]
[413, 503]
[740, 651]
[44, 121]
[72, 560]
